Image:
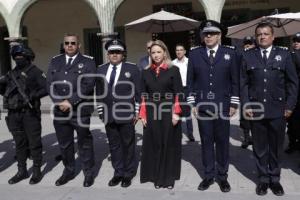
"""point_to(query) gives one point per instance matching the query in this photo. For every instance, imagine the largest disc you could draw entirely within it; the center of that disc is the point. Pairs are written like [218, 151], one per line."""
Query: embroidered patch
[278, 58]
[80, 65]
[127, 74]
[227, 57]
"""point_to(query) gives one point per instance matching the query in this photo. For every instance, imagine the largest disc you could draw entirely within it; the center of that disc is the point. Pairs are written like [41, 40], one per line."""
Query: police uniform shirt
[182, 65]
[73, 58]
[215, 49]
[109, 70]
[269, 49]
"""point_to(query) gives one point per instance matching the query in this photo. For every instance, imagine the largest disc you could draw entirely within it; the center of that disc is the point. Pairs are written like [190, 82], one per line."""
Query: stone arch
[47, 21]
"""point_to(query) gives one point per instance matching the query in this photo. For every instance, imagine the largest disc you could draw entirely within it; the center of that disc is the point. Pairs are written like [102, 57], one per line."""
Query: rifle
[20, 90]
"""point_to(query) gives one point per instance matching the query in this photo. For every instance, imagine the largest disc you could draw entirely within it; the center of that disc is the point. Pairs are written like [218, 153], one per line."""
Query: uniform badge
[227, 57]
[24, 74]
[278, 58]
[127, 74]
[80, 65]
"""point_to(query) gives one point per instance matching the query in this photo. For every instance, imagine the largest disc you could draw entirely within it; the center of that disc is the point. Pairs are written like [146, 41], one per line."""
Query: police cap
[296, 37]
[115, 45]
[211, 26]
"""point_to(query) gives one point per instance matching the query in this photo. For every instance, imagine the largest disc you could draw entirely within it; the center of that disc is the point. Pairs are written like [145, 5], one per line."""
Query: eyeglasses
[115, 52]
[70, 43]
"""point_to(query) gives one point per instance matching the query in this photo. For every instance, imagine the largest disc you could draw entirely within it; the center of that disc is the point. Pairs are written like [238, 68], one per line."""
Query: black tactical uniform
[22, 89]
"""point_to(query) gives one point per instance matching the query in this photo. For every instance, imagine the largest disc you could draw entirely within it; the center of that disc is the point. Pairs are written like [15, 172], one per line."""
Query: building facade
[44, 22]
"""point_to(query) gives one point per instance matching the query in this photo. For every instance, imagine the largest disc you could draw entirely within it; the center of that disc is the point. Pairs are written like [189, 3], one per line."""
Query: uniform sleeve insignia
[127, 74]
[24, 74]
[227, 56]
[278, 58]
[80, 65]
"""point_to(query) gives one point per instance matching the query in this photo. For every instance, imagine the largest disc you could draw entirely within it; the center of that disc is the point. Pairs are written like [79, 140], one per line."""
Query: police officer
[293, 121]
[71, 90]
[269, 93]
[213, 82]
[119, 110]
[22, 89]
[248, 43]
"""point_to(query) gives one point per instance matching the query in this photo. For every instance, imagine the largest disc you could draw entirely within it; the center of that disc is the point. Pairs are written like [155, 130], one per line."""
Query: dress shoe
[262, 189]
[204, 185]
[115, 181]
[224, 186]
[36, 176]
[20, 175]
[64, 179]
[277, 189]
[88, 181]
[126, 182]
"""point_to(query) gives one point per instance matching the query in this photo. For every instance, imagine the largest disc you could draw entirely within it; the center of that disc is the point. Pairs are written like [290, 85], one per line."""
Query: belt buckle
[210, 95]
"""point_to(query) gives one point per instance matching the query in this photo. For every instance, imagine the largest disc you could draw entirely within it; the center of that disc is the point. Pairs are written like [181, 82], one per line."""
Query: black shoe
[64, 179]
[20, 175]
[192, 139]
[204, 185]
[115, 180]
[157, 186]
[290, 150]
[277, 189]
[88, 181]
[262, 189]
[36, 176]
[224, 186]
[126, 182]
[170, 187]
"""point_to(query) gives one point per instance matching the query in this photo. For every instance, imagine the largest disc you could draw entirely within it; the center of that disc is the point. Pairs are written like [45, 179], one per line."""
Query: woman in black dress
[162, 91]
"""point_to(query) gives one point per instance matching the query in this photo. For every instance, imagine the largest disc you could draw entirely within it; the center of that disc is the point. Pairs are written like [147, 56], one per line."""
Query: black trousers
[214, 134]
[25, 127]
[121, 138]
[65, 136]
[268, 139]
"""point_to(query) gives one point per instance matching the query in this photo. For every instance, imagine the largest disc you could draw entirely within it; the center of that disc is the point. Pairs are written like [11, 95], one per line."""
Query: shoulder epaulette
[90, 57]
[102, 65]
[247, 49]
[195, 47]
[283, 48]
[130, 63]
[230, 47]
[57, 56]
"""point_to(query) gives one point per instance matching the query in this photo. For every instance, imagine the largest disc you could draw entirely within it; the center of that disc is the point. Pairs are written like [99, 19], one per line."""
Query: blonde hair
[167, 58]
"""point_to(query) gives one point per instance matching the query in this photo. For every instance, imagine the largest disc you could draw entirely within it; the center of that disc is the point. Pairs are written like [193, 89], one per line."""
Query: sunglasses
[115, 52]
[70, 43]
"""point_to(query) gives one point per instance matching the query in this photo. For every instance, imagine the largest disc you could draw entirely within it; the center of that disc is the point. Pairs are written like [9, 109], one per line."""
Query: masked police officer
[71, 90]
[293, 121]
[22, 89]
[269, 93]
[118, 109]
[248, 43]
[213, 82]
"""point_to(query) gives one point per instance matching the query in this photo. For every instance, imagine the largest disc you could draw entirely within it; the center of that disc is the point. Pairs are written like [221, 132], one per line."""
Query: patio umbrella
[161, 22]
[284, 25]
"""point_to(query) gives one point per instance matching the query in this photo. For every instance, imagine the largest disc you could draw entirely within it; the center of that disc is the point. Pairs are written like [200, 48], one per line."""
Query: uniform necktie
[69, 61]
[265, 56]
[112, 76]
[211, 56]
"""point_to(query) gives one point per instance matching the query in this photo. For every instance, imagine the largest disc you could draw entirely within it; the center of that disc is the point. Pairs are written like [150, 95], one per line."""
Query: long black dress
[161, 150]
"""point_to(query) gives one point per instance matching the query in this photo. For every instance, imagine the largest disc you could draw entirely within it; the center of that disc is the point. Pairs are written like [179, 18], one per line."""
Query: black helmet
[22, 50]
